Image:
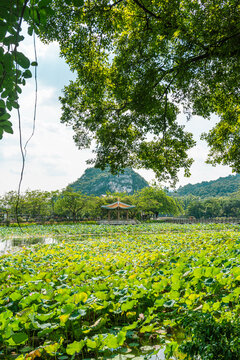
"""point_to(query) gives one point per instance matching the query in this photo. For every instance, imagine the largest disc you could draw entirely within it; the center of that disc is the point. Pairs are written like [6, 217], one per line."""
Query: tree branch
[146, 10]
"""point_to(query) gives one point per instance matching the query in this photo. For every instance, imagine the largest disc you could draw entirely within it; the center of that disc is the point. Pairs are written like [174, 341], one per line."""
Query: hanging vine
[15, 66]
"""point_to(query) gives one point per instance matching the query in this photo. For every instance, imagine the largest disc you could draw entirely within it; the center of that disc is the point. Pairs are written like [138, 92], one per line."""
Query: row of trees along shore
[39, 205]
[152, 202]
[213, 207]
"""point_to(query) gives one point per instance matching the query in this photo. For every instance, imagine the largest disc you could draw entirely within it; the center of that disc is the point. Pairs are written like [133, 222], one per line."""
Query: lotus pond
[98, 230]
[105, 292]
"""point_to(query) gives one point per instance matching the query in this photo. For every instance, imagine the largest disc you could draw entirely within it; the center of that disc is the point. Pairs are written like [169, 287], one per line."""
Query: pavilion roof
[118, 205]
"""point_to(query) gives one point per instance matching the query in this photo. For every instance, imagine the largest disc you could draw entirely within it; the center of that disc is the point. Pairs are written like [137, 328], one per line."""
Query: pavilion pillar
[118, 214]
[108, 215]
[127, 215]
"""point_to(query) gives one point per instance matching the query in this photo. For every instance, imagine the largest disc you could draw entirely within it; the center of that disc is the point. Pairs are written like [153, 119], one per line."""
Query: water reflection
[13, 244]
[159, 356]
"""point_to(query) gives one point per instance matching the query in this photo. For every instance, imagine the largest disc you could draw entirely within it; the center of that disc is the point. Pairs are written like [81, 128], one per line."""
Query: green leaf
[91, 344]
[45, 317]
[5, 123]
[4, 94]
[22, 60]
[111, 341]
[78, 3]
[3, 30]
[128, 305]
[52, 348]
[9, 130]
[68, 308]
[30, 30]
[130, 327]
[27, 74]
[9, 105]
[147, 328]
[19, 90]
[15, 104]
[63, 277]
[9, 40]
[15, 296]
[19, 338]
[44, 3]
[121, 336]
[75, 347]
[43, 16]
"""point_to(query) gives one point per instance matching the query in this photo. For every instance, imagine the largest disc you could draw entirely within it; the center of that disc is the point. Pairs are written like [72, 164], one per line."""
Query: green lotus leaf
[75, 347]
[18, 338]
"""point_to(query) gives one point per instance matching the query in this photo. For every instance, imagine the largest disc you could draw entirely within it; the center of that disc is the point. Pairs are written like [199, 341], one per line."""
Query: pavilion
[118, 205]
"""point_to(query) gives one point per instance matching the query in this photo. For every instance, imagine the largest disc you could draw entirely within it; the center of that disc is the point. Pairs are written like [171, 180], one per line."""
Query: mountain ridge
[223, 186]
[98, 182]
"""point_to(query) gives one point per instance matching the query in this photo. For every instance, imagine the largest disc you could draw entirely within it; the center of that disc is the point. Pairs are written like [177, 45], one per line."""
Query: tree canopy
[70, 202]
[137, 62]
[154, 200]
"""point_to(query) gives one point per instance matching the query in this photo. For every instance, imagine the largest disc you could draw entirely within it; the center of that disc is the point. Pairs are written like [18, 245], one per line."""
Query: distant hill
[224, 186]
[97, 182]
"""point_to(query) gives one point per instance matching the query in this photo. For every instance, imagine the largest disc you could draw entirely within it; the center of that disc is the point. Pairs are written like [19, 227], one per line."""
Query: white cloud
[44, 51]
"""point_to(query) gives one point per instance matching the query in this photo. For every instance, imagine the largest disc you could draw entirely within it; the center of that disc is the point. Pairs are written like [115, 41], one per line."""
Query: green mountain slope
[97, 182]
[224, 186]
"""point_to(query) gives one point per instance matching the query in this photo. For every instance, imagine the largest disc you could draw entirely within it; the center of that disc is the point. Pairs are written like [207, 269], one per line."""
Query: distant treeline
[224, 186]
[212, 207]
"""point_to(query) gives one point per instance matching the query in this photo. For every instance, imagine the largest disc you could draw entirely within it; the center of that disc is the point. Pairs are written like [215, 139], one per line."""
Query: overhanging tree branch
[143, 7]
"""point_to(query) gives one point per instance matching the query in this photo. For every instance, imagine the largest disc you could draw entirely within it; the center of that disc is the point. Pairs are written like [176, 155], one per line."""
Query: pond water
[11, 245]
[159, 356]
[141, 354]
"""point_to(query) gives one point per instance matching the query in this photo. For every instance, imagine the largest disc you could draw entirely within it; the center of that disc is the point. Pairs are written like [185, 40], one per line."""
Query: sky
[53, 161]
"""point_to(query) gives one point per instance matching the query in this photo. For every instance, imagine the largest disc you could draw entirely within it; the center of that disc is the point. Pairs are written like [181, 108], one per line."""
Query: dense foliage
[32, 204]
[136, 62]
[150, 202]
[122, 296]
[91, 230]
[153, 200]
[212, 208]
[72, 205]
[224, 186]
